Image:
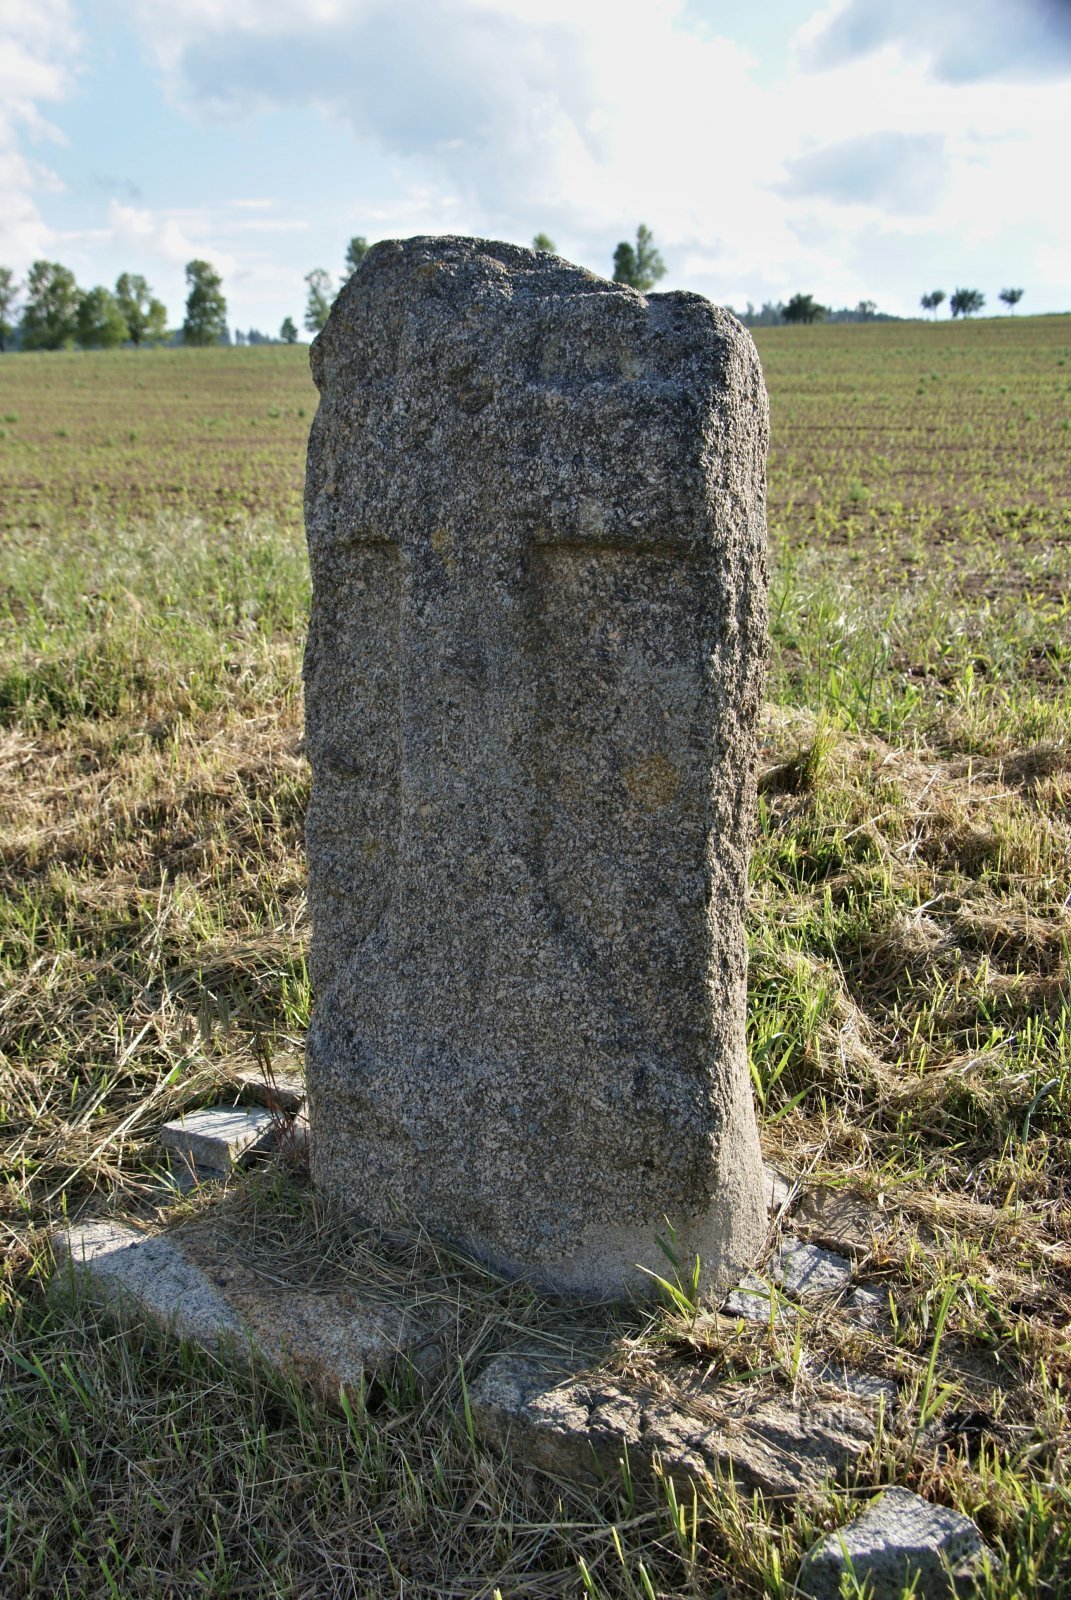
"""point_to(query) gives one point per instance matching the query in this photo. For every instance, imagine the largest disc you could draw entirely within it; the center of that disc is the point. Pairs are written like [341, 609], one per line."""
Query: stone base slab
[219, 1138]
[186, 1282]
[582, 1427]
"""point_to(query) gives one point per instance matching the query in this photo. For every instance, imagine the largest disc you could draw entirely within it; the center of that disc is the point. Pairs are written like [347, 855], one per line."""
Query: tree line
[56, 313]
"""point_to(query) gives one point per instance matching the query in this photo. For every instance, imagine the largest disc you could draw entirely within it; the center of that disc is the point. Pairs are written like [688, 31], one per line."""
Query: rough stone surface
[868, 1386]
[582, 1427]
[753, 1299]
[185, 1282]
[807, 1269]
[899, 1536]
[151, 1273]
[278, 1090]
[536, 524]
[869, 1307]
[219, 1137]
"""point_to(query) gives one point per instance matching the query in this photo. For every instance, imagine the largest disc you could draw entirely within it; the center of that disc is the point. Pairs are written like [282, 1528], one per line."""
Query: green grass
[910, 994]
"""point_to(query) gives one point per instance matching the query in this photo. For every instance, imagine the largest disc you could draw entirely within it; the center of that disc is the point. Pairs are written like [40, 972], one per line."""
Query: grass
[910, 993]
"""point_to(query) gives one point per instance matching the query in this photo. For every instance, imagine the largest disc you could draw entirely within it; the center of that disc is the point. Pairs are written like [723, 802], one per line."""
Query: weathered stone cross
[536, 525]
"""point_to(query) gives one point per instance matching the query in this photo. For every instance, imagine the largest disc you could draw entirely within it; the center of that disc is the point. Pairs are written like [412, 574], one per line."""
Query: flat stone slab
[279, 1091]
[185, 1282]
[807, 1269]
[899, 1538]
[219, 1138]
[581, 1427]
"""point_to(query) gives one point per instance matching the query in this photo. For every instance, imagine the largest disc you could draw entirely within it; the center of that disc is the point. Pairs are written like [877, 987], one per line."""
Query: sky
[863, 149]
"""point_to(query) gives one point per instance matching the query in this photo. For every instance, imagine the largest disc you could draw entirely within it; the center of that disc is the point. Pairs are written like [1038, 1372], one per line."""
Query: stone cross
[535, 513]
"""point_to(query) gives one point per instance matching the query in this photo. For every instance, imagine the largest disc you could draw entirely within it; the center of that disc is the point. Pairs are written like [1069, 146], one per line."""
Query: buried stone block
[536, 525]
[582, 1427]
[282, 1090]
[806, 1269]
[219, 1138]
[901, 1542]
[185, 1282]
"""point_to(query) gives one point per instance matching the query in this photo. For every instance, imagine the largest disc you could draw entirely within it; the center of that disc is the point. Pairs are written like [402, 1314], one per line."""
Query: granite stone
[755, 1299]
[900, 1540]
[535, 509]
[194, 1285]
[581, 1427]
[279, 1089]
[779, 1189]
[219, 1138]
[807, 1269]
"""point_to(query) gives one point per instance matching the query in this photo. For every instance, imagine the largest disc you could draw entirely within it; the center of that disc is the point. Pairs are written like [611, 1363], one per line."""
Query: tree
[543, 241]
[931, 301]
[318, 305]
[965, 302]
[356, 251]
[206, 309]
[866, 309]
[101, 324]
[640, 266]
[288, 331]
[803, 308]
[1011, 297]
[145, 317]
[8, 291]
[50, 317]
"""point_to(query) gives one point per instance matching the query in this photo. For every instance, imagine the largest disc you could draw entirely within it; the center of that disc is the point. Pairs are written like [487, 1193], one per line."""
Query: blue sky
[861, 149]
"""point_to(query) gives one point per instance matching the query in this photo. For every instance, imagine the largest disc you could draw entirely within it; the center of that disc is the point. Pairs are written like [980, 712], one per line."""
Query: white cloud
[878, 138]
[962, 41]
[175, 238]
[39, 48]
[507, 115]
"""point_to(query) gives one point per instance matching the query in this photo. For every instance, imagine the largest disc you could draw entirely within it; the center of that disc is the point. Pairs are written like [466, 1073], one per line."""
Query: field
[910, 980]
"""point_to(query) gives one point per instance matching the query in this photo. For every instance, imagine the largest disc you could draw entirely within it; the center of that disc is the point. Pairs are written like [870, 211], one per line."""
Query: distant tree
[803, 308]
[206, 309]
[356, 251]
[101, 324]
[145, 316]
[318, 304]
[50, 316]
[543, 241]
[641, 265]
[1011, 297]
[8, 292]
[965, 302]
[288, 331]
[866, 309]
[931, 301]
